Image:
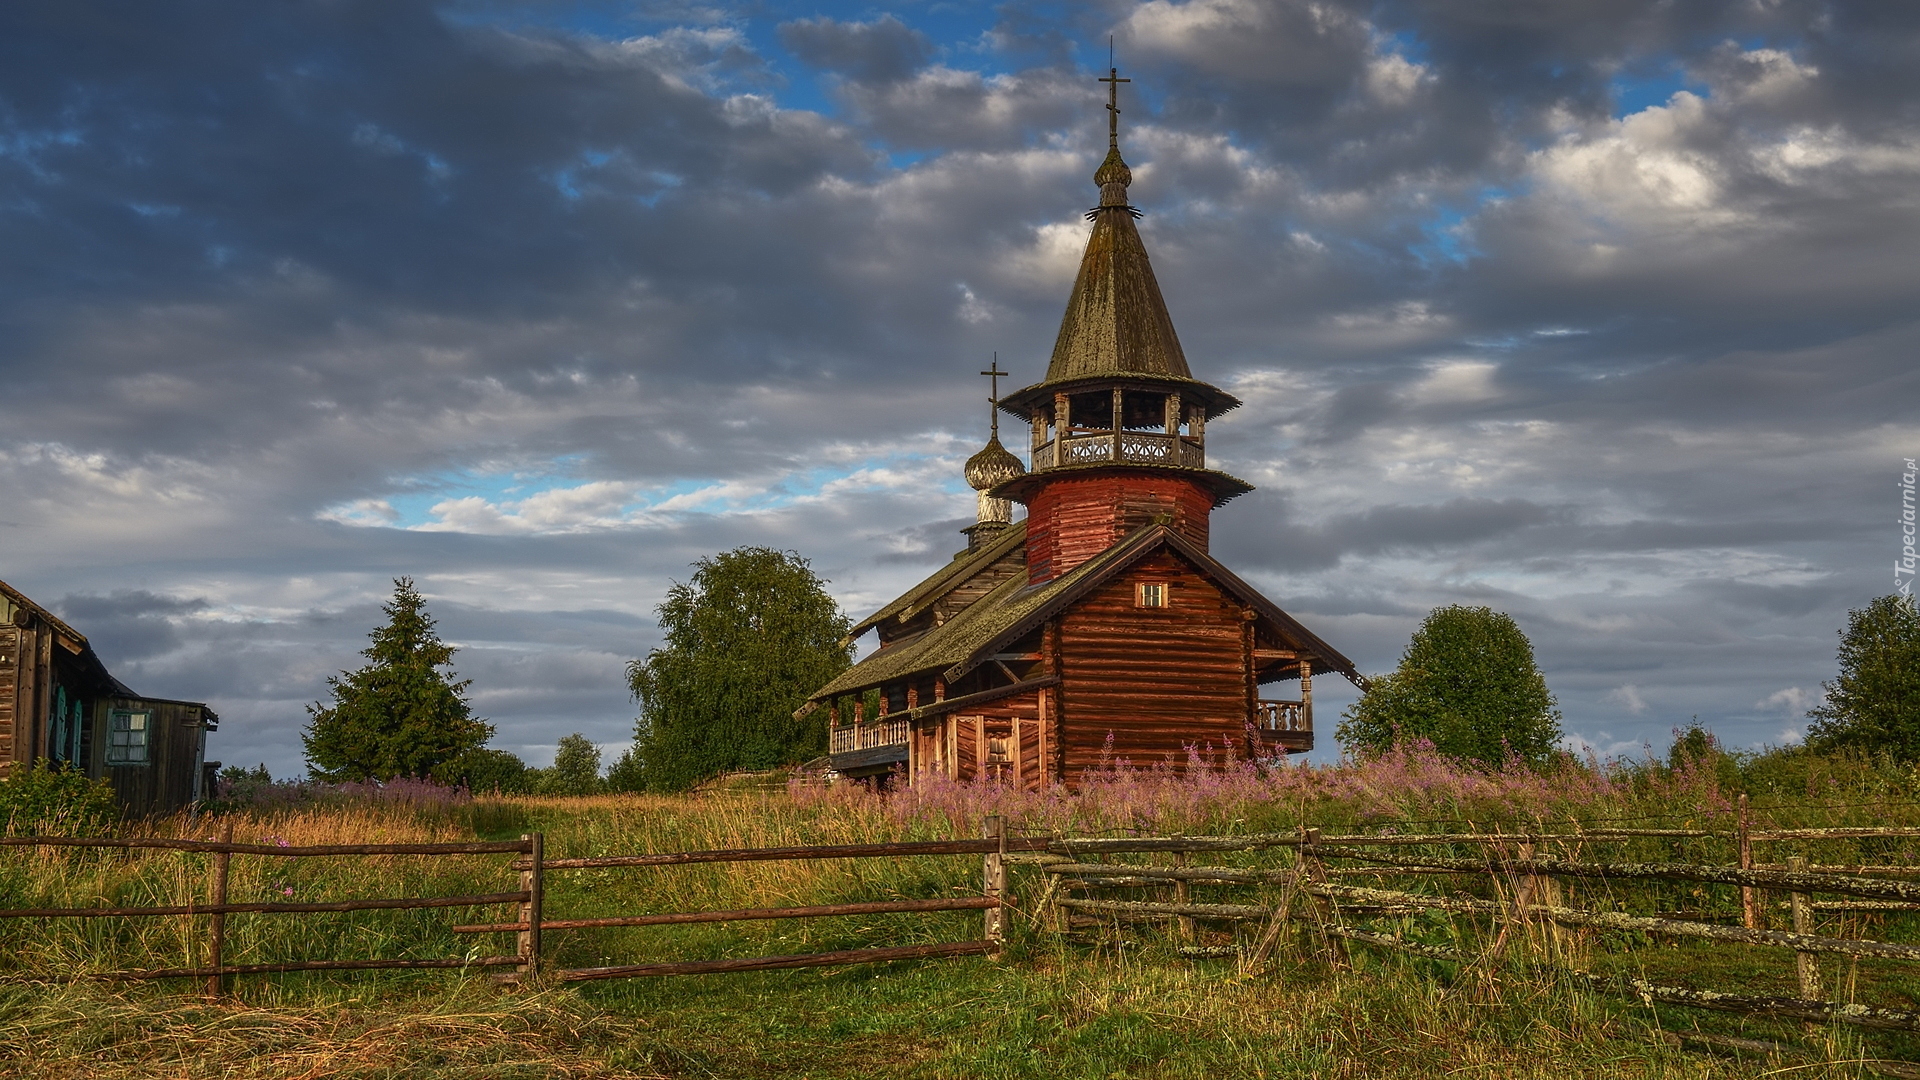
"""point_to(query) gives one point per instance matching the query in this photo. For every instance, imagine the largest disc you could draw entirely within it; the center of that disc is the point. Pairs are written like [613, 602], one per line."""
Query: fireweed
[1214, 788]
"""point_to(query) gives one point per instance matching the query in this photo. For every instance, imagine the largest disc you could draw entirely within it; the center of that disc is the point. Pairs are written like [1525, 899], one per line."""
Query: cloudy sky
[1601, 312]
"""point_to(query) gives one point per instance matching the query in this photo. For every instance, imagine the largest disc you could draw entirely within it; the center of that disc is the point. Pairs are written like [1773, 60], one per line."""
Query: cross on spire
[1113, 81]
[993, 374]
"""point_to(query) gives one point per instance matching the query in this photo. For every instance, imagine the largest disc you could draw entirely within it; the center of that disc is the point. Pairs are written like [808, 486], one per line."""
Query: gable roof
[82, 648]
[59, 625]
[944, 580]
[1014, 609]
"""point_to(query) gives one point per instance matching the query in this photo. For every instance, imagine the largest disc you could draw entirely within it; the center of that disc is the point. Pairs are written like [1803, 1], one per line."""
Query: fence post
[217, 925]
[1749, 900]
[532, 882]
[993, 870]
[1182, 894]
[1807, 963]
[1315, 871]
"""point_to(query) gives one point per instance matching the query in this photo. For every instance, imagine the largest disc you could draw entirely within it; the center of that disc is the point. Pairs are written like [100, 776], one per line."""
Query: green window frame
[129, 734]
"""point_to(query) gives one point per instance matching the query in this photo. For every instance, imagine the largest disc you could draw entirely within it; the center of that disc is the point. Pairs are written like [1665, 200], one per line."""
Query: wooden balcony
[847, 738]
[863, 749]
[1081, 446]
[1286, 723]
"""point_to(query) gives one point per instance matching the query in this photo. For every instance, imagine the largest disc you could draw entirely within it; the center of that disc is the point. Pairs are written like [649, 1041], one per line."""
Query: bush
[576, 768]
[49, 800]
[487, 770]
[1874, 706]
[1467, 684]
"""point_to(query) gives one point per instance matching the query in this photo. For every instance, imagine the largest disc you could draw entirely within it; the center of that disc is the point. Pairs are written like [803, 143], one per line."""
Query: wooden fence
[1528, 897]
[531, 923]
[216, 910]
[1524, 873]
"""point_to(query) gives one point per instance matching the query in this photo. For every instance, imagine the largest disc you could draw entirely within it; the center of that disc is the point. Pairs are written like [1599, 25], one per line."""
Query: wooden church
[1099, 627]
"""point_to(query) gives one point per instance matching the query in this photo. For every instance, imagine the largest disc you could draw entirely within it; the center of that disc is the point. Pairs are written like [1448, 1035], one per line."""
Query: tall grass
[1051, 1009]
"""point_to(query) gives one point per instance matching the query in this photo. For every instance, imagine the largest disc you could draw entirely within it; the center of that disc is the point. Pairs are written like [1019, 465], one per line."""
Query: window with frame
[129, 733]
[1151, 594]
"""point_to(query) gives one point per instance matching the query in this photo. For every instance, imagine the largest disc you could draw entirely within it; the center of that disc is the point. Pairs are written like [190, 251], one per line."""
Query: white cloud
[1792, 700]
[1628, 697]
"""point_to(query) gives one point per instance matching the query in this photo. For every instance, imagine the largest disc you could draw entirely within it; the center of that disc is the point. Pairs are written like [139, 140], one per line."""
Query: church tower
[1119, 424]
[1100, 628]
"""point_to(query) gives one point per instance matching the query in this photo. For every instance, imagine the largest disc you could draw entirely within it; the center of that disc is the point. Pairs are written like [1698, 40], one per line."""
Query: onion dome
[992, 466]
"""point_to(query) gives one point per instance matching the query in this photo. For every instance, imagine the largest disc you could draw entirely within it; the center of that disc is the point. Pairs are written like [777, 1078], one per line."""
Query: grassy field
[1101, 1003]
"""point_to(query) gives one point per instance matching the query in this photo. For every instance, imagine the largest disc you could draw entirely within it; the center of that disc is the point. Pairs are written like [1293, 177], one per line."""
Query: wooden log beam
[777, 963]
[305, 965]
[160, 843]
[1257, 841]
[879, 907]
[1142, 907]
[1791, 880]
[1616, 920]
[1798, 1008]
[266, 908]
[778, 854]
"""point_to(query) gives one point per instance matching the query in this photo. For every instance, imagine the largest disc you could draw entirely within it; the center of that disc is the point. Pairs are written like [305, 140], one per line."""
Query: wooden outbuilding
[59, 704]
[1098, 629]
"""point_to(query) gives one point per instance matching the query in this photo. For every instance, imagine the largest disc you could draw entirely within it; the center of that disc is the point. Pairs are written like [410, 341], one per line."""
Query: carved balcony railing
[1081, 447]
[867, 736]
[1283, 716]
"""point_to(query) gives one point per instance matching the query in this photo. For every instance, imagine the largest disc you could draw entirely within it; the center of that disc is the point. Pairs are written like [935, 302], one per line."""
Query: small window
[1151, 594]
[128, 734]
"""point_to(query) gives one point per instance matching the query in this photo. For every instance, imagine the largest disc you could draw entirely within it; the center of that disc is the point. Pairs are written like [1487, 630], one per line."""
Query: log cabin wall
[9, 691]
[1194, 690]
[1074, 518]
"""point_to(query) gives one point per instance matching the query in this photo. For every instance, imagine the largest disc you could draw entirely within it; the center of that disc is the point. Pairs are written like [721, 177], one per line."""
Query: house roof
[944, 580]
[59, 625]
[1015, 608]
[75, 642]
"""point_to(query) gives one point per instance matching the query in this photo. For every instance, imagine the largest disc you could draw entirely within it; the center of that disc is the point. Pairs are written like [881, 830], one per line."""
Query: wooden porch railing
[867, 735]
[1283, 716]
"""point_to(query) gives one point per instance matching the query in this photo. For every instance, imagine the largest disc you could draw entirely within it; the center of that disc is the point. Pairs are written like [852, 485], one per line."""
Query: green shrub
[48, 800]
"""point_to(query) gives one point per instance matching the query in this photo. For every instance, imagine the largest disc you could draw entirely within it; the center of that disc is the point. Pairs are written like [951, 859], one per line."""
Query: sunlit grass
[1108, 1002]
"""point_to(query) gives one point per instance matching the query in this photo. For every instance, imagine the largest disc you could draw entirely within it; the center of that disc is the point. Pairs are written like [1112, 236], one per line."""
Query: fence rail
[1524, 881]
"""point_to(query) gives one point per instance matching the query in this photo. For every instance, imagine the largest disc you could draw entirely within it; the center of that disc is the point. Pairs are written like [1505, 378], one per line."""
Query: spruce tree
[1874, 706]
[400, 715]
[747, 639]
[1468, 684]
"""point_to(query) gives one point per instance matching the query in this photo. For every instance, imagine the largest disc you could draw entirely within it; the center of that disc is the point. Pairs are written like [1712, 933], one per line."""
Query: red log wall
[1157, 680]
[1073, 518]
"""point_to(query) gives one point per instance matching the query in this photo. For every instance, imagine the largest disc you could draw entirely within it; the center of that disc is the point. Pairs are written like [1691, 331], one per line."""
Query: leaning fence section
[1511, 890]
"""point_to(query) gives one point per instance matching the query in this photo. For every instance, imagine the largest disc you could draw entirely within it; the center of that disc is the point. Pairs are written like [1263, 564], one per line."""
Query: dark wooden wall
[1158, 680]
[1074, 518]
[165, 783]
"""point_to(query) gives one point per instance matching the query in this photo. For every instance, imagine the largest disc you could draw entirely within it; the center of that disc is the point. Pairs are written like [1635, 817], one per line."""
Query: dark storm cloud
[1514, 324]
[884, 50]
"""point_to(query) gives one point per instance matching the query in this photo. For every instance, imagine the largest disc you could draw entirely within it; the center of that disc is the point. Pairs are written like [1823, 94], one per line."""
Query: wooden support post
[1315, 872]
[1019, 757]
[1807, 963]
[1749, 899]
[994, 878]
[1182, 893]
[532, 882]
[1173, 420]
[979, 748]
[1306, 693]
[217, 925]
[1116, 424]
